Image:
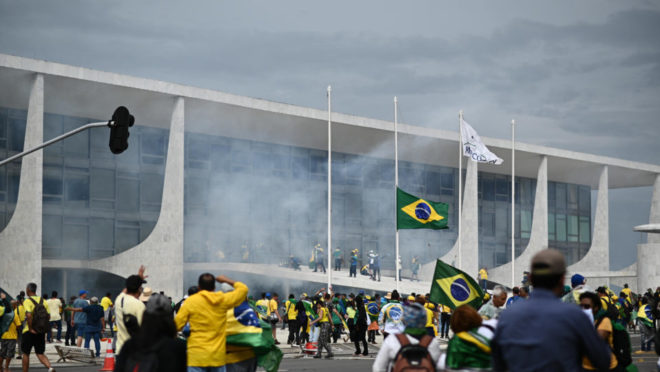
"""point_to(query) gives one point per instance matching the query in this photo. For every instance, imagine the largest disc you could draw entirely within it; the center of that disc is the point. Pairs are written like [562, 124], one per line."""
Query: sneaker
[317, 356]
[356, 354]
[365, 354]
[329, 356]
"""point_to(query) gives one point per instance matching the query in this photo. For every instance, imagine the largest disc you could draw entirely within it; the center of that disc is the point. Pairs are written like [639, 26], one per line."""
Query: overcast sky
[581, 75]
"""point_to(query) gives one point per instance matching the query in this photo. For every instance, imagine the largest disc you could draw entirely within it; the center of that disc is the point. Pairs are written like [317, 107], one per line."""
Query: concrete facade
[249, 118]
[538, 239]
[162, 251]
[598, 257]
[23, 233]
[648, 255]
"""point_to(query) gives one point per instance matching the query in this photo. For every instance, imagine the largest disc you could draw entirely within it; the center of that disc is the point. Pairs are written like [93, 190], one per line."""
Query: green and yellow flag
[452, 287]
[416, 213]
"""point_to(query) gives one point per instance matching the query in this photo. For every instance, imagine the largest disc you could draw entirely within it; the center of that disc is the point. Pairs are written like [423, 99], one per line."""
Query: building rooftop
[77, 91]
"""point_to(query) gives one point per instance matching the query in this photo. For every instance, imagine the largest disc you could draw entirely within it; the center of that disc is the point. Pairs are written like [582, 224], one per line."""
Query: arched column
[162, 251]
[23, 232]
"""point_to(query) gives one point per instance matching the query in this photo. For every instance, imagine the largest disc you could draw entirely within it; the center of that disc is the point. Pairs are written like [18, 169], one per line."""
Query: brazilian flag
[645, 315]
[416, 213]
[452, 287]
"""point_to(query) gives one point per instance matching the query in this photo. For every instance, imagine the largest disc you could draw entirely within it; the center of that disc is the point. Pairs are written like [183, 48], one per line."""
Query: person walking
[292, 315]
[377, 266]
[9, 338]
[206, 311]
[445, 317]
[274, 315]
[302, 321]
[55, 310]
[537, 346]
[336, 255]
[360, 324]
[80, 318]
[35, 328]
[70, 336]
[106, 303]
[326, 328]
[590, 301]
[354, 264]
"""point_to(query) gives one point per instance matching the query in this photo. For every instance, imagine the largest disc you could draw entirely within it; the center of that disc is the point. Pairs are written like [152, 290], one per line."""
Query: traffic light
[121, 120]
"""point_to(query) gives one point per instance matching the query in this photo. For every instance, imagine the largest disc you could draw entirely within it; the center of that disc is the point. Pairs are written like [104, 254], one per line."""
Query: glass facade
[260, 202]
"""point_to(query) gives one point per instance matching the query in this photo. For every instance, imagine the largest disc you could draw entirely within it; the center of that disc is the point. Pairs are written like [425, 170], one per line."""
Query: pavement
[296, 360]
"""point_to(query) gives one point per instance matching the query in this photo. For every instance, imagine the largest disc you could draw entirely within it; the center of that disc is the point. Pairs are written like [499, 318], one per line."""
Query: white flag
[474, 148]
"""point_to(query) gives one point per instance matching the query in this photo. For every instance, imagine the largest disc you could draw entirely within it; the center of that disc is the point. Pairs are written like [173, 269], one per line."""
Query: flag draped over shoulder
[645, 315]
[474, 148]
[245, 329]
[452, 287]
[416, 213]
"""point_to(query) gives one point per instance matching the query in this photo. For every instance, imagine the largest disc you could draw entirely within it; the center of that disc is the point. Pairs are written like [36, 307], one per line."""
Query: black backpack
[413, 357]
[40, 316]
[620, 344]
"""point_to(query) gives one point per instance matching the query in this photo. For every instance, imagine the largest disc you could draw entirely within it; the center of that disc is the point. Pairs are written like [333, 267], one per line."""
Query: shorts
[7, 348]
[36, 340]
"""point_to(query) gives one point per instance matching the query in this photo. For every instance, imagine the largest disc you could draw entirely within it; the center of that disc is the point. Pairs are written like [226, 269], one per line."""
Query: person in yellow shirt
[8, 339]
[206, 311]
[431, 316]
[32, 339]
[445, 317]
[274, 314]
[326, 329]
[483, 278]
[291, 315]
[263, 307]
[590, 301]
[107, 304]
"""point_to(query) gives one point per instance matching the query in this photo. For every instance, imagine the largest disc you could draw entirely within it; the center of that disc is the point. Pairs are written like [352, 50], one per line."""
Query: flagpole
[396, 185]
[329, 268]
[460, 185]
[513, 203]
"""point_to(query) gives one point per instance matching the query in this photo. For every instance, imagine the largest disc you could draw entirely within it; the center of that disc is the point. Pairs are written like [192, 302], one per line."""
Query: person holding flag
[645, 320]
[292, 314]
[453, 287]
[391, 315]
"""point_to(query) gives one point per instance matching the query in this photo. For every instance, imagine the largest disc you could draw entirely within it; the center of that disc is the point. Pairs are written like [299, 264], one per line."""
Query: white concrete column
[598, 256]
[162, 251]
[23, 232]
[470, 227]
[648, 255]
[538, 239]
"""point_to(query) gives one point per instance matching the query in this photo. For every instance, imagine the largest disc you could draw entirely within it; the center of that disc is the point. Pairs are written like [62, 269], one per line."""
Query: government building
[215, 182]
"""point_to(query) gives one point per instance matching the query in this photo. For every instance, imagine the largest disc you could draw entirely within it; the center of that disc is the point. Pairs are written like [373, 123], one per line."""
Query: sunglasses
[585, 306]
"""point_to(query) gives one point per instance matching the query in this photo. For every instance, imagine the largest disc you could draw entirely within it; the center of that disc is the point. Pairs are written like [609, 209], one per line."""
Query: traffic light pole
[57, 139]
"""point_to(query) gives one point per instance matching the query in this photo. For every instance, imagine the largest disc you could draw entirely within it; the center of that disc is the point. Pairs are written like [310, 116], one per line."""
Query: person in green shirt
[337, 257]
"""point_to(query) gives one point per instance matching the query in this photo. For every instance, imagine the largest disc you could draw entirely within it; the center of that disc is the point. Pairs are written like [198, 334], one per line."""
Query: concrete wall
[538, 239]
[162, 251]
[648, 255]
[23, 232]
[598, 256]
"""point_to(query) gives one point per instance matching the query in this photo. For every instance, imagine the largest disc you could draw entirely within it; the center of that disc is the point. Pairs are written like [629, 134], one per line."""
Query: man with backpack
[411, 348]
[613, 333]
[36, 325]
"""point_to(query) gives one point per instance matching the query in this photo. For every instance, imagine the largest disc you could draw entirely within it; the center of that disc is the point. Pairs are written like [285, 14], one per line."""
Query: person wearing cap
[95, 322]
[80, 318]
[146, 293]
[555, 335]
[578, 286]
[129, 309]
[206, 311]
[156, 337]
[414, 319]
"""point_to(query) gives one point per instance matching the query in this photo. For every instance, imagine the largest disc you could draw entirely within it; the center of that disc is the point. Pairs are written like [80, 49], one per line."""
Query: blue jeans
[57, 324]
[96, 335]
[207, 369]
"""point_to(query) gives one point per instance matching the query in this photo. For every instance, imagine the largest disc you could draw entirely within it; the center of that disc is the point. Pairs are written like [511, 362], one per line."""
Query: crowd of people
[565, 328]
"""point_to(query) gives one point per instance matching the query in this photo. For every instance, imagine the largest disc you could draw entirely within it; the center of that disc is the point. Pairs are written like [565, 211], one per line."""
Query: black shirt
[171, 353]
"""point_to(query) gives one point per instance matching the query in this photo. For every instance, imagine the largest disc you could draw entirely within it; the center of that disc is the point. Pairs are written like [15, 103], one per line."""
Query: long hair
[155, 327]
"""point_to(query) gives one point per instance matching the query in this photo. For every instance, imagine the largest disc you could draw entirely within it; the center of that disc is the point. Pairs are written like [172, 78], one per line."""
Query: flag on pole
[452, 287]
[416, 213]
[474, 148]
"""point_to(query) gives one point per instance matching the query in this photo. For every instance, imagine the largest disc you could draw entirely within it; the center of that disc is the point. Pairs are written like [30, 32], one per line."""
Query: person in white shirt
[391, 315]
[415, 321]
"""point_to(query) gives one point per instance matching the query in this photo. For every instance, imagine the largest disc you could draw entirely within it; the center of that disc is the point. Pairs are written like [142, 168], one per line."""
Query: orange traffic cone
[109, 362]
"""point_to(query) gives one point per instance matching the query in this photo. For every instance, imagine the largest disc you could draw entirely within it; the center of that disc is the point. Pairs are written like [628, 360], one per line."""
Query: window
[77, 187]
[102, 231]
[75, 241]
[585, 230]
[128, 195]
[551, 226]
[561, 227]
[525, 224]
[560, 192]
[572, 228]
[585, 199]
